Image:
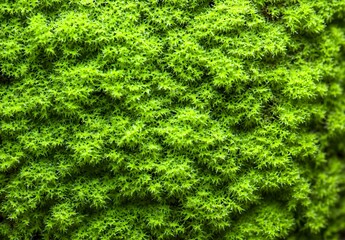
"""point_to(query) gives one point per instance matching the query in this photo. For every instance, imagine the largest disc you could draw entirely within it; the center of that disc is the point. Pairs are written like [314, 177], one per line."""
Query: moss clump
[172, 119]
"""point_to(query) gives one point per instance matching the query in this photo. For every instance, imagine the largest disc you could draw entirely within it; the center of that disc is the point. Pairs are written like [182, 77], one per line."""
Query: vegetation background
[172, 119]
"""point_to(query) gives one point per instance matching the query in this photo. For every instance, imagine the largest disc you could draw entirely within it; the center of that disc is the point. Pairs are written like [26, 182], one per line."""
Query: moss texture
[172, 119]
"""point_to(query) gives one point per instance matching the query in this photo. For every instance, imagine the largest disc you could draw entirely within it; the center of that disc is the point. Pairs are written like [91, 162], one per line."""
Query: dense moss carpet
[172, 119]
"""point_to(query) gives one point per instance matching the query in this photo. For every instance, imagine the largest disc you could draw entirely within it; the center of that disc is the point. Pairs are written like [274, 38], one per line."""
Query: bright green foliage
[172, 119]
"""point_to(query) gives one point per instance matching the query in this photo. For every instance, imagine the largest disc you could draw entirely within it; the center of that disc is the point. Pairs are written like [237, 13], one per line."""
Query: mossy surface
[172, 119]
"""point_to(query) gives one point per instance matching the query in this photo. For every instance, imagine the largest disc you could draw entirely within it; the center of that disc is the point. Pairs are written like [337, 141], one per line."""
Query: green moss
[172, 119]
